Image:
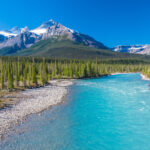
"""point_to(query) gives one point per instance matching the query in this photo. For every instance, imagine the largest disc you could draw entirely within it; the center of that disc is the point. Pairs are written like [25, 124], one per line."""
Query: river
[108, 113]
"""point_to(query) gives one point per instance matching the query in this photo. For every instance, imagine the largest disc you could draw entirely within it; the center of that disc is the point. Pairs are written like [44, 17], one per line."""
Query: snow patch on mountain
[39, 31]
[7, 34]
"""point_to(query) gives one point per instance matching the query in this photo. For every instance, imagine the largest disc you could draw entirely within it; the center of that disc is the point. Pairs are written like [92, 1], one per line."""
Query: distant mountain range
[21, 38]
[135, 49]
[52, 39]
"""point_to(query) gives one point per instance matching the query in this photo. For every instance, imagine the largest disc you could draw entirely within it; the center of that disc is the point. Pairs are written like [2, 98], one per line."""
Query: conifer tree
[34, 78]
[10, 79]
[85, 73]
[2, 79]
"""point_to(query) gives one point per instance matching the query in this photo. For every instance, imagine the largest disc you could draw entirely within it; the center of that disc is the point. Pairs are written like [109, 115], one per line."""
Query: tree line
[27, 72]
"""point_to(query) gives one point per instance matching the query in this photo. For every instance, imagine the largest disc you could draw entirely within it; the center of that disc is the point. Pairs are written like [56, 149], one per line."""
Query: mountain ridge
[18, 39]
[21, 38]
[135, 49]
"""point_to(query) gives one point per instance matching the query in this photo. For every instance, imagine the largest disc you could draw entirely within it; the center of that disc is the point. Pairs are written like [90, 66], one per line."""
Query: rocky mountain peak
[25, 29]
[48, 24]
[15, 30]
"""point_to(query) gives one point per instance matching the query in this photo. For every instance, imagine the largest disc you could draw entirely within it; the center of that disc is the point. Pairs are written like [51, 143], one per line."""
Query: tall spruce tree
[10, 78]
[2, 79]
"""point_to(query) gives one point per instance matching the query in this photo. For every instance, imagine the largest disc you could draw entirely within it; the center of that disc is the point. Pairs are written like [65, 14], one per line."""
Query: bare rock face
[3, 38]
[87, 40]
[57, 30]
[136, 49]
[20, 38]
[23, 40]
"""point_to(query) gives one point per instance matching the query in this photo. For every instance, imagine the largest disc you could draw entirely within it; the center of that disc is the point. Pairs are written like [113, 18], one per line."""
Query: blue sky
[112, 22]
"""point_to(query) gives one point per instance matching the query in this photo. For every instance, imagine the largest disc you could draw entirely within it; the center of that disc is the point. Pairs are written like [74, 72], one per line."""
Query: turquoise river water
[108, 113]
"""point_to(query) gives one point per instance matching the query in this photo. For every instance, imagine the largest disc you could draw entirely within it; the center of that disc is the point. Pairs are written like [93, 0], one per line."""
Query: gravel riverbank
[33, 101]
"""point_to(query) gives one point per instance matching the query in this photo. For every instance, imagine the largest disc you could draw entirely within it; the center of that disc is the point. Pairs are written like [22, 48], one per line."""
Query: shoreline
[142, 75]
[123, 73]
[32, 101]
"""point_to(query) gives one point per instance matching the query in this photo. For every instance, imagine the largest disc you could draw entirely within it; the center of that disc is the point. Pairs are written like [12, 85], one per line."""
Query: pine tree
[10, 79]
[43, 74]
[29, 78]
[34, 78]
[85, 73]
[2, 79]
[25, 76]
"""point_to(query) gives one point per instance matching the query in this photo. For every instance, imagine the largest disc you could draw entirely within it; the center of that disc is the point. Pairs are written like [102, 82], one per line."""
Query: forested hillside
[63, 48]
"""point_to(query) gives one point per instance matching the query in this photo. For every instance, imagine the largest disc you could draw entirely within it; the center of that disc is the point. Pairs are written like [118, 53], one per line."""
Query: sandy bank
[33, 101]
[144, 77]
[120, 73]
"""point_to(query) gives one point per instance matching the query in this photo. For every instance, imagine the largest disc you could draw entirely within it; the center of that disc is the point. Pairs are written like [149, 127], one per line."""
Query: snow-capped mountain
[12, 32]
[52, 28]
[7, 34]
[136, 49]
[24, 38]
[15, 30]
[18, 38]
